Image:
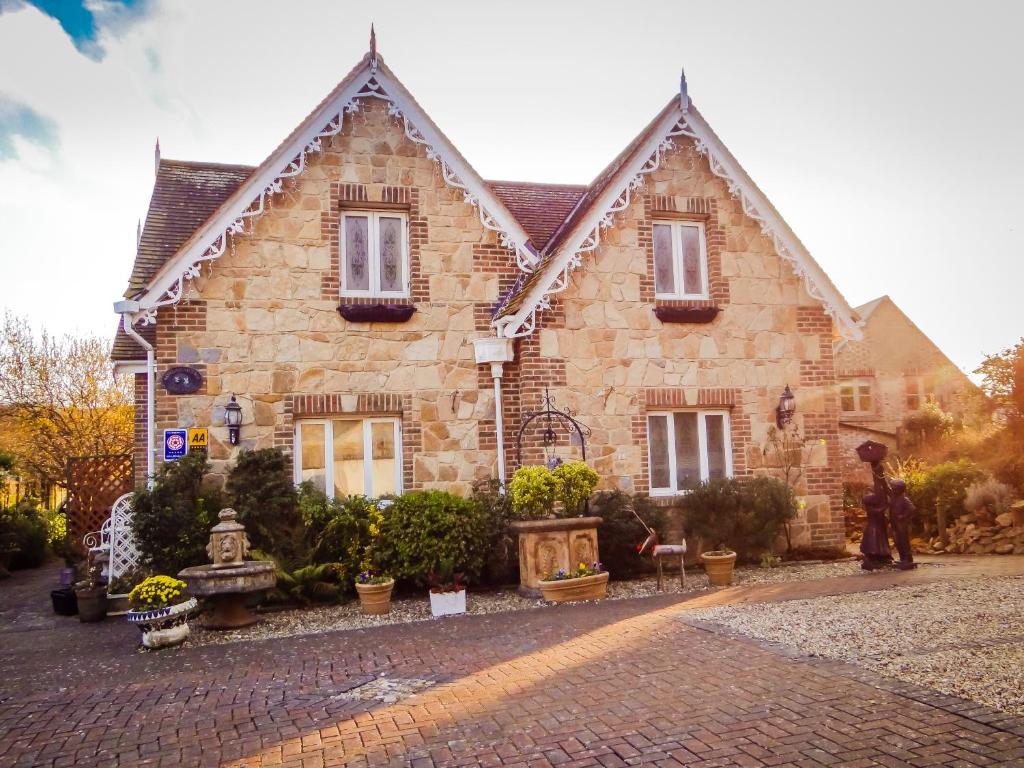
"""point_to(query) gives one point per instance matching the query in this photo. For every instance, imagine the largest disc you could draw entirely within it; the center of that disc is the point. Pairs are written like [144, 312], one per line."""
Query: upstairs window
[855, 397]
[680, 260]
[374, 254]
[919, 392]
[349, 457]
[686, 448]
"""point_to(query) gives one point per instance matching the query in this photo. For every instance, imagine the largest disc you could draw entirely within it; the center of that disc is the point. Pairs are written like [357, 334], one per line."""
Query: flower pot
[64, 601]
[719, 567]
[375, 599]
[584, 588]
[163, 627]
[448, 603]
[92, 604]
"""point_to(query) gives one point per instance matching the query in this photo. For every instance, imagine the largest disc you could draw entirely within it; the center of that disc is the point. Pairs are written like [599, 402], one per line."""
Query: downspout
[496, 370]
[127, 309]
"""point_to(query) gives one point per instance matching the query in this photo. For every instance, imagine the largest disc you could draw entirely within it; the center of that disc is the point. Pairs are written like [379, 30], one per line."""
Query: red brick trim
[702, 208]
[670, 398]
[341, 197]
[361, 404]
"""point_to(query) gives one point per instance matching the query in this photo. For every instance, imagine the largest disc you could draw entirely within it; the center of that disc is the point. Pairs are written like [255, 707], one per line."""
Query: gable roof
[611, 192]
[369, 79]
[185, 194]
[866, 310]
[540, 208]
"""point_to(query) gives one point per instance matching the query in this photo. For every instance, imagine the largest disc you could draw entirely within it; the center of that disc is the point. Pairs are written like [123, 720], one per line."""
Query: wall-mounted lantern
[233, 419]
[785, 409]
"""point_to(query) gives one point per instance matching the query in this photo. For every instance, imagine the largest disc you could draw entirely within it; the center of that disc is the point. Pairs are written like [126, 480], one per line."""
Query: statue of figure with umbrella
[884, 496]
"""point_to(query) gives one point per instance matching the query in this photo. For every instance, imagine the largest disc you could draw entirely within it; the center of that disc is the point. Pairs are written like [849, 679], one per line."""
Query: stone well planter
[719, 567]
[163, 627]
[545, 546]
[584, 588]
[375, 599]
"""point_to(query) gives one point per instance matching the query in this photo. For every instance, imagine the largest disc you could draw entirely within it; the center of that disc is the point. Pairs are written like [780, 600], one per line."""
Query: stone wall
[263, 324]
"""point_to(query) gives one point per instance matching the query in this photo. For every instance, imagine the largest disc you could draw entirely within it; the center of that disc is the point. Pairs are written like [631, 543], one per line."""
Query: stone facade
[263, 323]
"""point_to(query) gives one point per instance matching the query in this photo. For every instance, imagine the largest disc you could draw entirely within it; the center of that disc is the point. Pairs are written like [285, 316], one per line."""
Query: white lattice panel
[124, 555]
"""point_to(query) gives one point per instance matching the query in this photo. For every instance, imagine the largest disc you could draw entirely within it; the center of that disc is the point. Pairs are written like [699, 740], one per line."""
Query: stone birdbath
[230, 579]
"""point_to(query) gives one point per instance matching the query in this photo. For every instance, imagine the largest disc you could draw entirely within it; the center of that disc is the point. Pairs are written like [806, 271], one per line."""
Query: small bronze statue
[901, 510]
[875, 542]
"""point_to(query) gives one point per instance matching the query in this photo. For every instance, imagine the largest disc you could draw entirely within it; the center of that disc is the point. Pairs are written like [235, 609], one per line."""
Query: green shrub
[23, 536]
[501, 565]
[940, 485]
[576, 481]
[261, 490]
[534, 491]
[621, 533]
[425, 532]
[349, 536]
[745, 516]
[172, 520]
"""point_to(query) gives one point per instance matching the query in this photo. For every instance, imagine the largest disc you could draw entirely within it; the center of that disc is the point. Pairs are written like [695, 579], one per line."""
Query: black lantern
[785, 409]
[233, 418]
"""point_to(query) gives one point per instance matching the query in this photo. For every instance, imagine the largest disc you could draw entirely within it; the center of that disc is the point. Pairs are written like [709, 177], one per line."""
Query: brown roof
[184, 196]
[540, 208]
[126, 348]
[580, 211]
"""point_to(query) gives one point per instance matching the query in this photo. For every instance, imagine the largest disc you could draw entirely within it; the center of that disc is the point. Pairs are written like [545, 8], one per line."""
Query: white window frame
[856, 384]
[677, 258]
[702, 448]
[328, 425]
[373, 253]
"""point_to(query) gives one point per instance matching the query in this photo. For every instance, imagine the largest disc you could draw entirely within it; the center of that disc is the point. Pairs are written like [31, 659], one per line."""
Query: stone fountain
[230, 579]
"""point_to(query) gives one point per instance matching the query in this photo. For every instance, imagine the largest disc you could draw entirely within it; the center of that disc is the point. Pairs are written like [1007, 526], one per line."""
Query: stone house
[890, 373]
[390, 319]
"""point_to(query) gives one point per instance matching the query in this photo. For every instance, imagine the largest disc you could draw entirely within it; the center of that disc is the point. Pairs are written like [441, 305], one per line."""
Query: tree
[58, 399]
[1002, 379]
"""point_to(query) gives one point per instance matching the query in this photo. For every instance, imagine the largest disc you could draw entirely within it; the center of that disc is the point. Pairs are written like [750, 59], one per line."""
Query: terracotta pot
[92, 604]
[719, 567]
[584, 588]
[375, 599]
[163, 627]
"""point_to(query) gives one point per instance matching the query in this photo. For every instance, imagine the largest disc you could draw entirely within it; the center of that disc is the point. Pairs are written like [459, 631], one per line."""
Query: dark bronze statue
[885, 496]
[901, 511]
[875, 542]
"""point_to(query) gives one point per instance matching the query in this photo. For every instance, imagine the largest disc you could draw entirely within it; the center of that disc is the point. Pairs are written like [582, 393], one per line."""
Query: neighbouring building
[390, 319]
[890, 373]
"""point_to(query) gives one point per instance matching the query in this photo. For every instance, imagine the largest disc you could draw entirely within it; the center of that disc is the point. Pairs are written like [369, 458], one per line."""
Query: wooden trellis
[94, 483]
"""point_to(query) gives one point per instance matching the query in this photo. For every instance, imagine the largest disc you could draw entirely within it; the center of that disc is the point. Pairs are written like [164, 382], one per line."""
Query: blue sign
[175, 444]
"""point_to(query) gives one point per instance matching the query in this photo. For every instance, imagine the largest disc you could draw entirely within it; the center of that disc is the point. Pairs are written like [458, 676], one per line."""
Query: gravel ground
[961, 638]
[307, 621]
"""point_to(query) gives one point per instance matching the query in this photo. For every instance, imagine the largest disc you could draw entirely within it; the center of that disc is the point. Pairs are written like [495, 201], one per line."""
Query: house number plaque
[182, 380]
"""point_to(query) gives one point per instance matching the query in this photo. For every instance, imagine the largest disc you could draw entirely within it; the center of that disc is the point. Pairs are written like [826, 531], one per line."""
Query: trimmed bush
[261, 490]
[425, 532]
[502, 562]
[172, 519]
[576, 481]
[533, 491]
[23, 536]
[744, 516]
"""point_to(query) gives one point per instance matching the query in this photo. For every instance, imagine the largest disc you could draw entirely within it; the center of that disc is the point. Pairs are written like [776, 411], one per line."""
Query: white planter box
[448, 603]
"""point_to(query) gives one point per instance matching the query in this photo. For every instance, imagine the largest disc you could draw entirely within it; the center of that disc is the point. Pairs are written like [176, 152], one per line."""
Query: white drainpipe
[127, 309]
[497, 351]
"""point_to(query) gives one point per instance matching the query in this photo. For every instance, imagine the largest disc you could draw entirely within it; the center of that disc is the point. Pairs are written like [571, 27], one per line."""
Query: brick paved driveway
[619, 683]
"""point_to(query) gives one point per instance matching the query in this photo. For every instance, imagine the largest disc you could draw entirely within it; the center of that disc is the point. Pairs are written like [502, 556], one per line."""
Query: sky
[886, 133]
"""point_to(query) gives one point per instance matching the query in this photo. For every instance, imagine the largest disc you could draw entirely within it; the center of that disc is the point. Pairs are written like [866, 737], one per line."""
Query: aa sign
[198, 439]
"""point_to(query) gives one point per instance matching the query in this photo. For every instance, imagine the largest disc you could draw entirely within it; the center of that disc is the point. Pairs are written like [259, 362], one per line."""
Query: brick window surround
[374, 197]
[668, 208]
[362, 405]
[674, 399]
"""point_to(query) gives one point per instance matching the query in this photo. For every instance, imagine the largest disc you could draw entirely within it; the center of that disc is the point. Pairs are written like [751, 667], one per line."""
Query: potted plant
[160, 611]
[447, 592]
[91, 596]
[584, 582]
[374, 591]
[719, 564]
